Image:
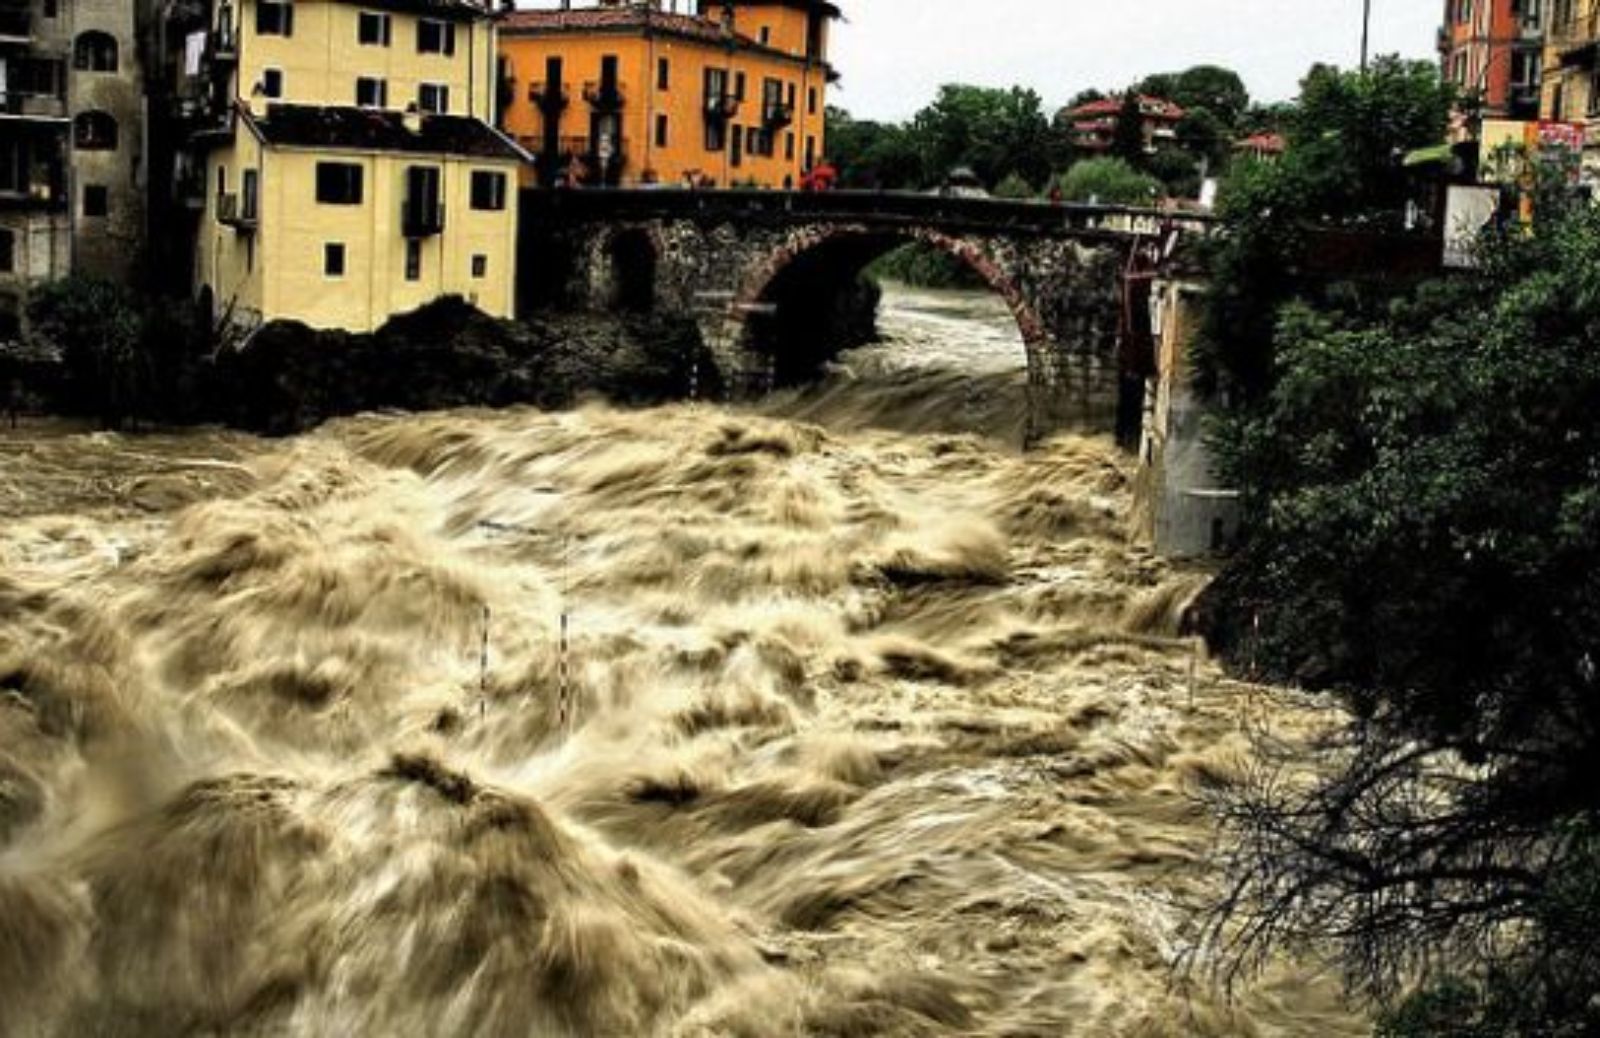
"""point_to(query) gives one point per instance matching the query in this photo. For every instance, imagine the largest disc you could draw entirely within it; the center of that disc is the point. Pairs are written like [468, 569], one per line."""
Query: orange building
[728, 93]
[1493, 49]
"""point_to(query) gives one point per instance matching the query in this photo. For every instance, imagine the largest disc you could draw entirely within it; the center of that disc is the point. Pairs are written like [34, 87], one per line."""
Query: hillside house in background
[1094, 123]
[1264, 147]
[721, 94]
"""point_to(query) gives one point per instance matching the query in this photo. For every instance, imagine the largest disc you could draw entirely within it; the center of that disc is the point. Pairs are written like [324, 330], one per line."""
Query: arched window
[95, 52]
[94, 131]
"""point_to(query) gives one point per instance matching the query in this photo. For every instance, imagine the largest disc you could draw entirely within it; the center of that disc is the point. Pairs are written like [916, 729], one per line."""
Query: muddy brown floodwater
[863, 726]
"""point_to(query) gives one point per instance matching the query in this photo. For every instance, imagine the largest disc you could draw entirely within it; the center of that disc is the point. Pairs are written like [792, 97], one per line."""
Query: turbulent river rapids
[833, 715]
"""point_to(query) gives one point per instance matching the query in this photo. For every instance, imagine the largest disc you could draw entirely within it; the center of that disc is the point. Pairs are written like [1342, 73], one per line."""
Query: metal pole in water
[483, 665]
[563, 664]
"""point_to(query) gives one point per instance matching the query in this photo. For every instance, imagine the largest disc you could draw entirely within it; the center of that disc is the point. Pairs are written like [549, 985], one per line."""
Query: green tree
[1128, 140]
[994, 132]
[874, 155]
[1207, 138]
[1109, 181]
[1347, 136]
[1421, 487]
[1425, 495]
[96, 327]
[1210, 88]
[1014, 186]
[1177, 169]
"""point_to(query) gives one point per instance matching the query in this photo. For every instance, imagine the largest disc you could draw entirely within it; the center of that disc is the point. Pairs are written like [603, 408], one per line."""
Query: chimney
[412, 118]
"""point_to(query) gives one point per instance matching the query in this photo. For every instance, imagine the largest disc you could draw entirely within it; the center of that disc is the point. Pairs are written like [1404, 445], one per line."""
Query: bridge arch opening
[813, 301]
[633, 258]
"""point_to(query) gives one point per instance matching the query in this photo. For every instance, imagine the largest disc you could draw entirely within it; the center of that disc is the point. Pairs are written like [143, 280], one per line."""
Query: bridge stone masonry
[774, 279]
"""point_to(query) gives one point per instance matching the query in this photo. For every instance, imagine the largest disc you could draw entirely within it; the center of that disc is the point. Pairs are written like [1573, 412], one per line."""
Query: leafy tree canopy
[1425, 492]
[1216, 90]
[1110, 181]
[994, 132]
[1347, 137]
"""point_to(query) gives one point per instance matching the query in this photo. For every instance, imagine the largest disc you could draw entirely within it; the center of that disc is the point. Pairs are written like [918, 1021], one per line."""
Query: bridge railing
[881, 208]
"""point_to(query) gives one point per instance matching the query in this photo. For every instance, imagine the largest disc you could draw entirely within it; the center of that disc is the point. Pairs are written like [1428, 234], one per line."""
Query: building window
[339, 183]
[488, 190]
[766, 35]
[274, 18]
[95, 52]
[480, 265]
[811, 101]
[413, 259]
[333, 259]
[39, 77]
[272, 82]
[738, 85]
[434, 98]
[663, 74]
[94, 131]
[8, 251]
[435, 37]
[50, 8]
[422, 208]
[811, 152]
[661, 130]
[372, 93]
[788, 146]
[96, 200]
[250, 195]
[374, 29]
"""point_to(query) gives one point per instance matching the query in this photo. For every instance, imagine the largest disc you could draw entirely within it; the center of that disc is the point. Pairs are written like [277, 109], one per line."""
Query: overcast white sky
[894, 54]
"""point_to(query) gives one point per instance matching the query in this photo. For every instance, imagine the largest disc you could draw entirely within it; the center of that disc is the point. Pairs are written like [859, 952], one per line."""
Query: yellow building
[1571, 88]
[727, 94]
[355, 173]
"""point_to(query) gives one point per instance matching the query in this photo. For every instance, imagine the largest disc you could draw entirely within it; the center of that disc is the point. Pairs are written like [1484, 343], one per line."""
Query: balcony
[721, 107]
[1574, 39]
[237, 212]
[596, 168]
[44, 107]
[550, 98]
[604, 96]
[421, 217]
[42, 189]
[775, 115]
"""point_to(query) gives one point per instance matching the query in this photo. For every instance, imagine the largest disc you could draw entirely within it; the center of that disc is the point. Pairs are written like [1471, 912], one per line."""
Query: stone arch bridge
[773, 278]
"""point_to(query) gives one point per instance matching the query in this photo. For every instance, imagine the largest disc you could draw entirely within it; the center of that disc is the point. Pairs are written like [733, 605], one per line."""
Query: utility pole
[1366, 31]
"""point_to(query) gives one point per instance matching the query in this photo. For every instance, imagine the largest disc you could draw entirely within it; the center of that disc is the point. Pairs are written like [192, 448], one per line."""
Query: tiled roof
[1271, 143]
[466, 9]
[365, 129]
[1152, 107]
[600, 19]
